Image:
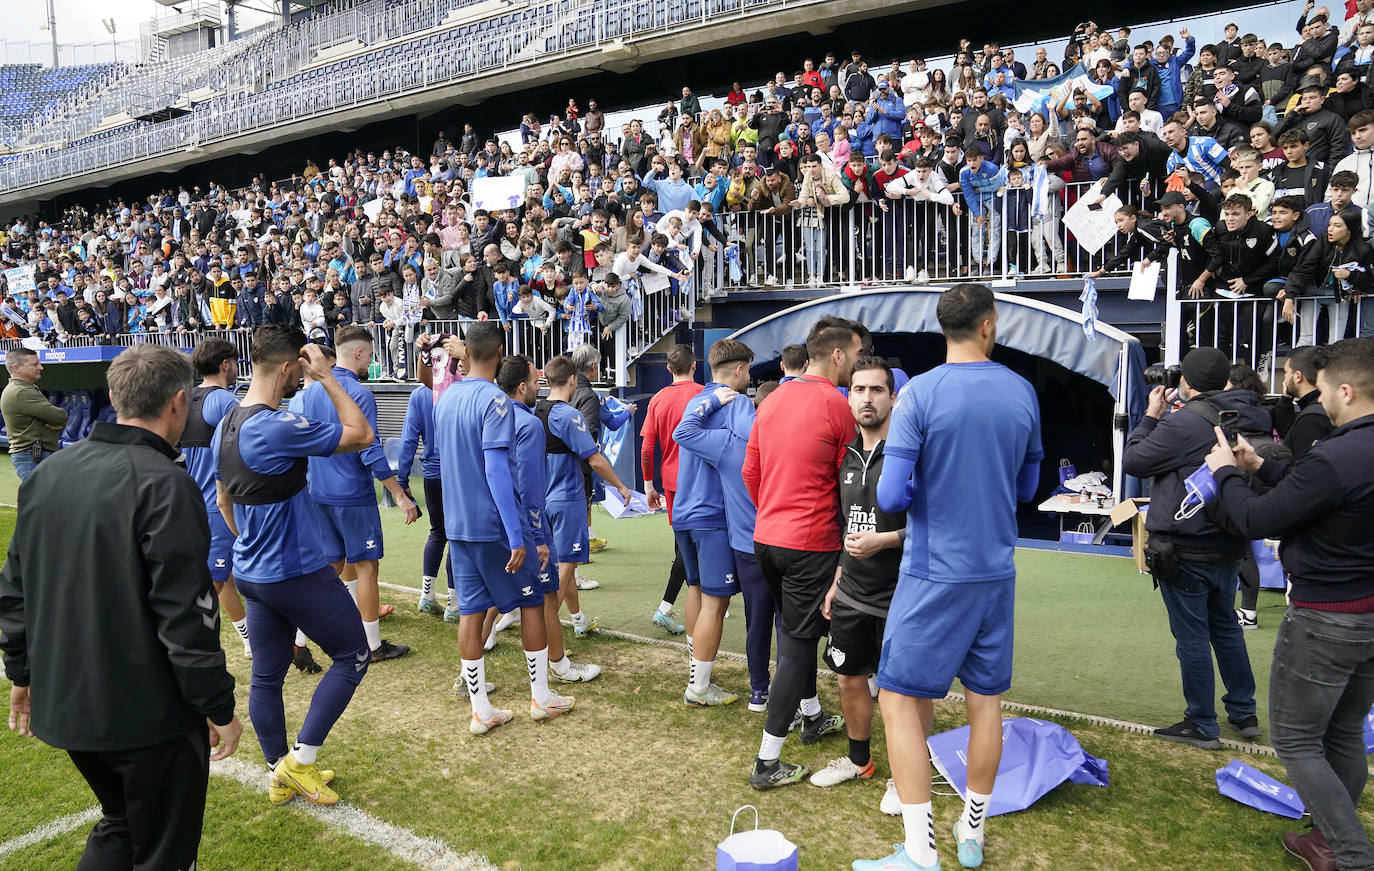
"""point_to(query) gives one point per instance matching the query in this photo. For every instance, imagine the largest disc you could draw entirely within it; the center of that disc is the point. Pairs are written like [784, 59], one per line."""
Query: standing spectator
[1321, 508]
[1170, 69]
[32, 423]
[1194, 559]
[1325, 129]
[690, 105]
[1311, 423]
[142, 745]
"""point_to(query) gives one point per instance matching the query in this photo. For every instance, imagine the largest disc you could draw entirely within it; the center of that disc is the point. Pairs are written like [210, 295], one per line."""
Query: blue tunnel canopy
[1028, 325]
[1111, 357]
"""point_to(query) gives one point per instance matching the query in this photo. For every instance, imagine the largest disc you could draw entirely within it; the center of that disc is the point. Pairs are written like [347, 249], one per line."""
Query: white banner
[20, 279]
[498, 193]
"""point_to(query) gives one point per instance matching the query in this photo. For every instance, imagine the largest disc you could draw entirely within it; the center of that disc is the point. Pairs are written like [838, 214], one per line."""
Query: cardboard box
[1134, 510]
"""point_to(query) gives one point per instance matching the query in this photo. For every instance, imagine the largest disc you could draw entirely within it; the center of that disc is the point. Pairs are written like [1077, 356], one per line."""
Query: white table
[1065, 503]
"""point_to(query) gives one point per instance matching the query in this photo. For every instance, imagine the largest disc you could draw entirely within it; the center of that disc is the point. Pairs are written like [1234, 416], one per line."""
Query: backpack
[1267, 445]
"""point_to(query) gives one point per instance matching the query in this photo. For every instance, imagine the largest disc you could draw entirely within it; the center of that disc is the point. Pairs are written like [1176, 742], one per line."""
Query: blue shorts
[937, 632]
[545, 580]
[708, 561]
[351, 533]
[479, 576]
[221, 561]
[568, 523]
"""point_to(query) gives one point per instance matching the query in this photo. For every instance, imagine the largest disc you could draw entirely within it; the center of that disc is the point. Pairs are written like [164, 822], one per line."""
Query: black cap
[1206, 369]
[1172, 198]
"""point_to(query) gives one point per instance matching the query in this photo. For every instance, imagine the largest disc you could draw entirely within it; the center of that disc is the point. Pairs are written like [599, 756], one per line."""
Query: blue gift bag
[1036, 757]
[755, 849]
[1253, 787]
[1369, 732]
[1084, 534]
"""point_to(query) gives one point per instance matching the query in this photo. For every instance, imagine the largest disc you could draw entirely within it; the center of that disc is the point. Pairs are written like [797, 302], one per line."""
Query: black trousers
[153, 800]
[798, 580]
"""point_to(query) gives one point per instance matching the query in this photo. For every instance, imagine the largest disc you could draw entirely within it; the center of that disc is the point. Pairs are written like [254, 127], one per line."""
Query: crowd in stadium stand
[1252, 158]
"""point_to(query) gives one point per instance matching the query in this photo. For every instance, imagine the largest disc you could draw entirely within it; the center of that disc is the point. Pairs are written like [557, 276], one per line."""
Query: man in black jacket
[1324, 128]
[1322, 682]
[1194, 560]
[143, 745]
[1311, 423]
[1139, 155]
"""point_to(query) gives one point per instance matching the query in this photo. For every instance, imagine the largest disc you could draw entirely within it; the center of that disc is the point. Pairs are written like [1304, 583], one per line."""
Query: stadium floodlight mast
[51, 28]
[114, 47]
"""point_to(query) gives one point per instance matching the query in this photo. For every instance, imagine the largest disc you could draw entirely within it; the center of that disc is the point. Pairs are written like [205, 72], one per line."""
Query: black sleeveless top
[246, 487]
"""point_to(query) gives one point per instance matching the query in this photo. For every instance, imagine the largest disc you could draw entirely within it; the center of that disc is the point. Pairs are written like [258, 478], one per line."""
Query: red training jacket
[792, 464]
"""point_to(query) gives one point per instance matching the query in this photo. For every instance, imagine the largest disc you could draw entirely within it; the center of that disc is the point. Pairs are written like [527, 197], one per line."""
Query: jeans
[813, 244]
[24, 463]
[1336, 315]
[1321, 686]
[987, 237]
[1046, 242]
[1201, 607]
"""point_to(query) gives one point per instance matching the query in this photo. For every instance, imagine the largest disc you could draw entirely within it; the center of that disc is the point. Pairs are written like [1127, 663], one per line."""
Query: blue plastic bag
[1253, 787]
[1199, 489]
[1036, 757]
[1369, 732]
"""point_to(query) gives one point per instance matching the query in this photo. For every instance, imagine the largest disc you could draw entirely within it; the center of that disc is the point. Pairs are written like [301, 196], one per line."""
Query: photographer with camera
[1322, 682]
[1194, 558]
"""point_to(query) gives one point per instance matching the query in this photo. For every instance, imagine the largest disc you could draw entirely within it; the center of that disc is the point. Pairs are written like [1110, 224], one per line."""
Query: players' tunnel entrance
[1091, 390]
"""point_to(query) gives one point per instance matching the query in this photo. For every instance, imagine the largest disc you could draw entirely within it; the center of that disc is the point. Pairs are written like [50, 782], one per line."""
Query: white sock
[811, 707]
[241, 627]
[300, 638]
[352, 590]
[475, 676]
[426, 587]
[689, 645]
[975, 812]
[538, 663]
[491, 637]
[560, 667]
[770, 748]
[919, 825]
[506, 620]
[699, 677]
[373, 633]
[578, 618]
[1246, 611]
[306, 754]
[665, 607]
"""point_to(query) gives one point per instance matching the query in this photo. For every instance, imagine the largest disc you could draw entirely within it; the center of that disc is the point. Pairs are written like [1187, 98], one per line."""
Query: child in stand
[1047, 211]
[312, 317]
[506, 290]
[390, 312]
[1018, 208]
[412, 314]
[580, 308]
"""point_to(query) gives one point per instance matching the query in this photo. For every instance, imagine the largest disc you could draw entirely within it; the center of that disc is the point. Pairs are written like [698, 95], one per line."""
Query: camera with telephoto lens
[1159, 375]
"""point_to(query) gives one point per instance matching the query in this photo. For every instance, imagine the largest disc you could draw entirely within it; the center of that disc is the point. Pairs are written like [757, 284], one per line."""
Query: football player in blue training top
[699, 524]
[568, 441]
[217, 363]
[474, 430]
[963, 448]
[279, 561]
[519, 379]
[341, 487]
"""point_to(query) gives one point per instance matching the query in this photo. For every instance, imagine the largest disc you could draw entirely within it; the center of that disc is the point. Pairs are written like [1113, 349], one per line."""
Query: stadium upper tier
[29, 90]
[277, 85]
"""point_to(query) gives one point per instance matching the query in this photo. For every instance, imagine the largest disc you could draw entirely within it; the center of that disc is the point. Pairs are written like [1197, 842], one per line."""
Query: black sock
[813, 719]
[858, 751]
[760, 766]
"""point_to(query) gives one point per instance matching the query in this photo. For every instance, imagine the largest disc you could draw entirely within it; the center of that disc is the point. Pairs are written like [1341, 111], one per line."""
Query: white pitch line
[59, 826]
[431, 854]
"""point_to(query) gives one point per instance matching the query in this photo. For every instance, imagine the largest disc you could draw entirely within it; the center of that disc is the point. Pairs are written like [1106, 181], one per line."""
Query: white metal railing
[894, 242]
[372, 79]
[394, 349]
